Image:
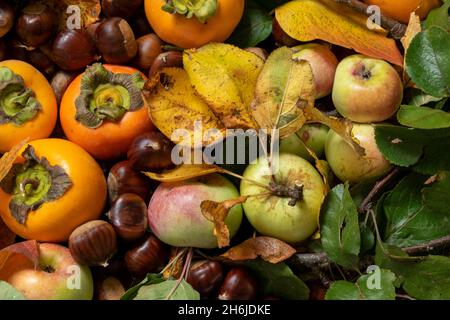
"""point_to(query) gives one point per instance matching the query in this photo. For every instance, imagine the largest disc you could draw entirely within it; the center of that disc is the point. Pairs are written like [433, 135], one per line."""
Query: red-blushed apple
[366, 89]
[347, 164]
[311, 135]
[323, 64]
[57, 277]
[290, 212]
[175, 216]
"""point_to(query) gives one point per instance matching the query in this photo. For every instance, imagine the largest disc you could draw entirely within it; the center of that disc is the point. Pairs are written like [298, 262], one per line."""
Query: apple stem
[295, 192]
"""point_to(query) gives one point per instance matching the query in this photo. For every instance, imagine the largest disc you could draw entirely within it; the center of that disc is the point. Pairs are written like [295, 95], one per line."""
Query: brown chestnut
[281, 37]
[122, 178]
[36, 24]
[140, 25]
[205, 276]
[148, 256]
[128, 215]
[150, 151]
[93, 243]
[42, 62]
[73, 49]
[109, 289]
[149, 48]
[60, 81]
[3, 52]
[239, 284]
[115, 40]
[125, 9]
[166, 59]
[6, 17]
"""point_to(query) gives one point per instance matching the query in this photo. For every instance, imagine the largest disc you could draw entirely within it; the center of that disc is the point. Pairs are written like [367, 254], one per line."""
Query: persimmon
[28, 108]
[103, 110]
[194, 23]
[53, 187]
[401, 10]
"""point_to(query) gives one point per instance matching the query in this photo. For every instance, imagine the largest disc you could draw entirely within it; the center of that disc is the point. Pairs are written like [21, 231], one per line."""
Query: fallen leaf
[431, 179]
[70, 12]
[15, 256]
[184, 172]
[174, 271]
[414, 27]
[217, 212]
[225, 77]
[269, 249]
[308, 20]
[7, 237]
[8, 159]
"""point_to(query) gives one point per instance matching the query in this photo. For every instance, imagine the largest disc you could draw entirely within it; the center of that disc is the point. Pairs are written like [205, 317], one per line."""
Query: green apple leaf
[425, 278]
[339, 227]
[427, 61]
[8, 292]
[423, 117]
[417, 213]
[419, 98]
[151, 278]
[164, 291]
[379, 285]
[278, 280]
[439, 17]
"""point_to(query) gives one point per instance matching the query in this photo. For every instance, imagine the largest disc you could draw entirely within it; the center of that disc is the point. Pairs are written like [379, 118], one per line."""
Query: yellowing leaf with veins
[308, 20]
[184, 172]
[225, 77]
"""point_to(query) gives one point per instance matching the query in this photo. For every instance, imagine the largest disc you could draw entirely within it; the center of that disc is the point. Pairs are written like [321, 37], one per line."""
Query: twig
[184, 272]
[429, 246]
[396, 29]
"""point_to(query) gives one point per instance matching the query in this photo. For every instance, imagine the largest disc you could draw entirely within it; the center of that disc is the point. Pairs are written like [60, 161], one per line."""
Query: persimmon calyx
[18, 104]
[200, 9]
[105, 95]
[34, 183]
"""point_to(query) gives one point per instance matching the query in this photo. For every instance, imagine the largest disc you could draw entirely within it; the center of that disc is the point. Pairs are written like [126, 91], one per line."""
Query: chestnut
[166, 59]
[128, 215]
[60, 81]
[282, 38]
[205, 276]
[3, 52]
[93, 243]
[122, 178]
[41, 61]
[125, 9]
[149, 48]
[140, 25]
[239, 284]
[109, 289]
[150, 151]
[148, 256]
[36, 24]
[73, 49]
[6, 17]
[91, 30]
[115, 40]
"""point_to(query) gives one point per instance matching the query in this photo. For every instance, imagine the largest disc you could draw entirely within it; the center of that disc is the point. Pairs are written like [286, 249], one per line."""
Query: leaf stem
[184, 272]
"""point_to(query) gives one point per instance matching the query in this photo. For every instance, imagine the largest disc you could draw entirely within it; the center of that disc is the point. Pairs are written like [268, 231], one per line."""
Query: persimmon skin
[54, 221]
[189, 32]
[112, 139]
[42, 125]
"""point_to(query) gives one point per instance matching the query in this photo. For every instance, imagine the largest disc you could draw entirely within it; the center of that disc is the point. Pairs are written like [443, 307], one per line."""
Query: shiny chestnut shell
[150, 151]
[205, 276]
[36, 24]
[93, 243]
[148, 256]
[121, 8]
[6, 17]
[73, 49]
[149, 48]
[169, 59]
[239, 284]
[128, 216]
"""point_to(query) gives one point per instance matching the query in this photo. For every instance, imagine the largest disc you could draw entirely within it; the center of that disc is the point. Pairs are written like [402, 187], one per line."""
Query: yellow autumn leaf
[184, 172]
[414, 27]
[225, 77]
[8, 159]
[308, 20]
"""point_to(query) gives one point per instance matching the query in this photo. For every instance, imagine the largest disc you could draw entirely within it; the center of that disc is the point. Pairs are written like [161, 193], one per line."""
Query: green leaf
[162, 290]
[367, 238]
[427, 61]
[278, 280]
[8, 292]
[375, 286]
[425, 278]
[439, 17]
[152, 278]
[419, 98]
[339, 227]
[423, 117]
[417, 213]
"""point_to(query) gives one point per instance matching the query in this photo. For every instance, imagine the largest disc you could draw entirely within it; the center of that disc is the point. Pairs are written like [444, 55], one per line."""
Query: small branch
[429, 246]
[395, 28]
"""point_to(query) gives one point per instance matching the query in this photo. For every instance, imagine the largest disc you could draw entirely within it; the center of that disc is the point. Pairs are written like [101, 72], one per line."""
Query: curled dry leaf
[8, 159]
[176, 263]
[414, 27]
[269, 249]
[217, 212]
[184, 172]
[308, 20]
[15, 256]
[72, 12]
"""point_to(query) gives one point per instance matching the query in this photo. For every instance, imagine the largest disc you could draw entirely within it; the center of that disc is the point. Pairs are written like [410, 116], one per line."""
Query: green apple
[175, 216]
[366, 89]
[57, 277]
[275, 213]
[312, 135]
[347, 164]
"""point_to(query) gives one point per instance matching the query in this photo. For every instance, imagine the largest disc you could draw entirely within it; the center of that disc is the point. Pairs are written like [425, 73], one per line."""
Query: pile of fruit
[111, 111]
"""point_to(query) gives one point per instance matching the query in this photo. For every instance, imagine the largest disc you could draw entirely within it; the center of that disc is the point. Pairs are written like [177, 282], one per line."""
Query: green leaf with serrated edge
[423, 117]
[426, 278]
[439, 17]
[427, 61]
[278, 280]
[379, 285]
[151, 278]
[164, 291]
[339, 227]
[8, 292]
